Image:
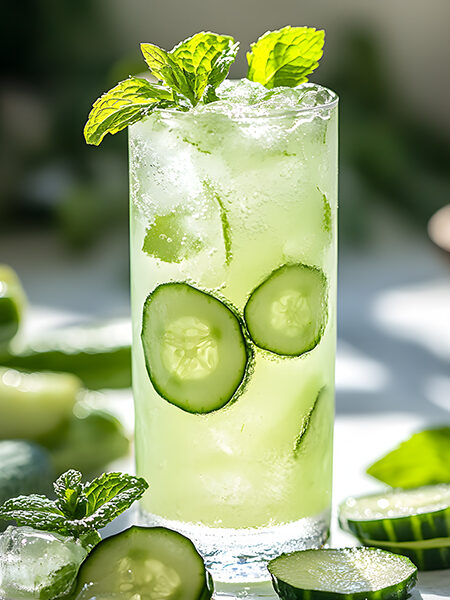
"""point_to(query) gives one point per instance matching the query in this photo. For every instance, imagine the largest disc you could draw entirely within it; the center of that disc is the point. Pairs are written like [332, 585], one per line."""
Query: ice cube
[37, 564]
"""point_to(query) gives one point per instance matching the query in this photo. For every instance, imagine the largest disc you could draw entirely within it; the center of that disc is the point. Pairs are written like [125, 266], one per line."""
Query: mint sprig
[285, 57]
[190, 73]
[80, 509]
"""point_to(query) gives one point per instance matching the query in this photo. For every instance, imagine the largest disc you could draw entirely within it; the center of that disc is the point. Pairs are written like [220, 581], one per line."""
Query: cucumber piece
[100, 355]
[90, 440]
[25, 469]
[34, 405]
[399, 515]
[427, 555]
[144, 562]
[12, 301]
[335, 574]
[287, 313]
[195, 350]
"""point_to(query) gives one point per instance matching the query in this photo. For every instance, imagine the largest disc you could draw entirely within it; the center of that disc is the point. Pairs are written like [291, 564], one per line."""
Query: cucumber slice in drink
[287, 313]
[399, 515]
[195, 351]
[350, 573]
[144, 562]
[427, 555]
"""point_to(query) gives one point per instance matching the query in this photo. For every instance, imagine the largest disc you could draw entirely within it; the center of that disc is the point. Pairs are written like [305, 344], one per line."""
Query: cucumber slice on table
[350, 573]
[399, 515]
[12, 300]
[287, 313]
[427, 555]
[195, 351]
[151, 563]
[34, 405]
[100, 355]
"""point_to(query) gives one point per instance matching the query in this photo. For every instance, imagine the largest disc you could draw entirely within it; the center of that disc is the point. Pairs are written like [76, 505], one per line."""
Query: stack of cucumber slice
[414, 523]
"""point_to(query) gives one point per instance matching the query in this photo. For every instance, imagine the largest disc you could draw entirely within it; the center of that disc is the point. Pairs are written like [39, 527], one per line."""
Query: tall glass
[233, 364]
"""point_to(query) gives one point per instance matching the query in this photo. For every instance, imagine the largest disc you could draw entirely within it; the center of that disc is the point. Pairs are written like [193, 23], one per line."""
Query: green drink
[233, 285]
[225, 201]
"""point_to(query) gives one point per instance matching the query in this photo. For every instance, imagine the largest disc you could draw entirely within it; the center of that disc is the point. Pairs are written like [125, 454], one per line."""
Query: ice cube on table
[37, 564]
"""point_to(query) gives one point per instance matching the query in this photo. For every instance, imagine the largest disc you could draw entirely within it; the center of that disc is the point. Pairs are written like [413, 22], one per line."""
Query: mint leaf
[110, 495]
[285, 57]
[195, 67]
[127, 102]
[166, 68]
[34, 511]
[206, 59]
[423, 459]
[71, 499]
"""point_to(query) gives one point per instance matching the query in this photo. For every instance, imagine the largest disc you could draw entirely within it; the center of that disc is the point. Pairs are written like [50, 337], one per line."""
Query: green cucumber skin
[426, 559]
[402, 529]
[97, 369]
[288, 592]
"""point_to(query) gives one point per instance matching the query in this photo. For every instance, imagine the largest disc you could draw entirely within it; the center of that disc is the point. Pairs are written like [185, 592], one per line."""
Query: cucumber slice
[399, 515]
[195, 351]
[25, 469]
[12, 300]
[34, 405]
[287, 313]
[100, 355]
[353, 573]
[427, 555]
[151, 563]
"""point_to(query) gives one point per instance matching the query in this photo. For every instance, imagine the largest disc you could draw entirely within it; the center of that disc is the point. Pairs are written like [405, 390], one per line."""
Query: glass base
[237, 558]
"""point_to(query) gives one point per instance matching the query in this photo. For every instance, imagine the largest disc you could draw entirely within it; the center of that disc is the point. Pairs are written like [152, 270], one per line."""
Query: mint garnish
[195, 67]
[285, 57]
[190, 73]
[423, 459]
[123, 105]
[80, 509]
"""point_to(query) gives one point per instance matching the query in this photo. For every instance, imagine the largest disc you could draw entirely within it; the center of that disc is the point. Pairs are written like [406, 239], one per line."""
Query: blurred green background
[387, 60]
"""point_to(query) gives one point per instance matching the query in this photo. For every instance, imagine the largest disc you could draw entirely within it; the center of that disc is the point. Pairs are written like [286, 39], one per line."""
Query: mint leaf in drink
[195, 66]
[166, 68]
[129, 101]
[285, 57]
[80, 509]
[206, 59]
[423, 459]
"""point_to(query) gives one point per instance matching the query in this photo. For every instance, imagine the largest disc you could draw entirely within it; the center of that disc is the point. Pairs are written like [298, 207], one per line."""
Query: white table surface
[393, 359]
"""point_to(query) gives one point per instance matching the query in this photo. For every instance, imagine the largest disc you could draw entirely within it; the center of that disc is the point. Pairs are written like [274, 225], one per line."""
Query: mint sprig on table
[80, 509]
[423, 459]
[190, 73]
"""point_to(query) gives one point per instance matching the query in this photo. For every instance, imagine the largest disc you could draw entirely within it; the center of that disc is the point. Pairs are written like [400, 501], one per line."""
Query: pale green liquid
[237, 467]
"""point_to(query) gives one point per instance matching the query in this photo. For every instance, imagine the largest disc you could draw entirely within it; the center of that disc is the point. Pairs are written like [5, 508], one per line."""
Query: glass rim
[244, 112]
